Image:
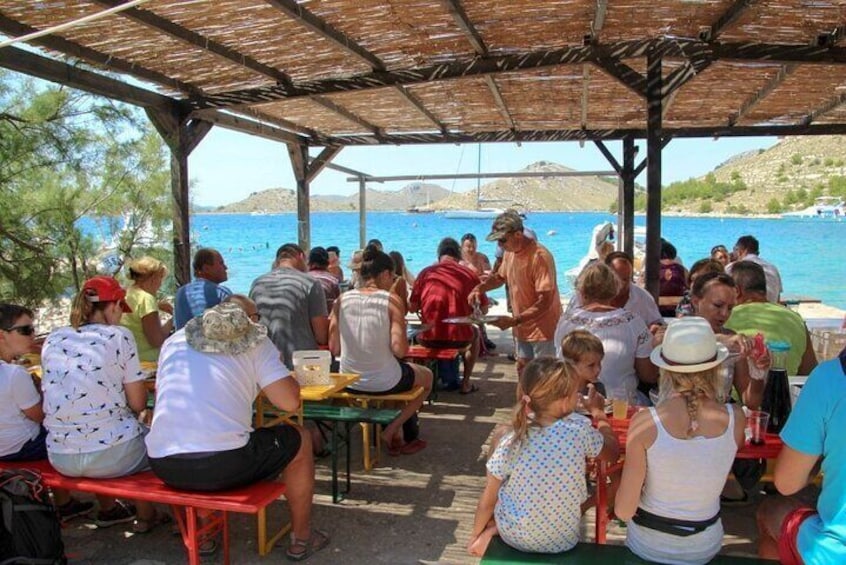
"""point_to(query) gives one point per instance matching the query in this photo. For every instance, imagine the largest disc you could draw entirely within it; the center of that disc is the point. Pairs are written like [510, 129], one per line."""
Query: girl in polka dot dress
[536, 475]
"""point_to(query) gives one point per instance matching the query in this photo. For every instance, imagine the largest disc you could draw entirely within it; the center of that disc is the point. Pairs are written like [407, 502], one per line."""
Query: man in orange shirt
[529, 269]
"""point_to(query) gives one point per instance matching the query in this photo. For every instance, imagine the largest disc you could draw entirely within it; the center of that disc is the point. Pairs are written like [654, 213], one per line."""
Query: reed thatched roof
[341, 72]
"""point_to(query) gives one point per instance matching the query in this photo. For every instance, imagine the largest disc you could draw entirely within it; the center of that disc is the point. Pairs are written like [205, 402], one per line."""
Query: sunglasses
[256, 317]
[504, 238]
[23, 330]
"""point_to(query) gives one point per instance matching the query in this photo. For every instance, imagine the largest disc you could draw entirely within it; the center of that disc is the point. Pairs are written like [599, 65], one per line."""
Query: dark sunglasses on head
[255, 317]
[23, 330]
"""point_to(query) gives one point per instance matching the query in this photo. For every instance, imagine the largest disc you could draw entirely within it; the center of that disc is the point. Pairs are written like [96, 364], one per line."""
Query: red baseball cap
[105, 289]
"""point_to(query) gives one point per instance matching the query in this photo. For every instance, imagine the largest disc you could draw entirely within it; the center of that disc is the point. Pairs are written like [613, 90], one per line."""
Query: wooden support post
[654, 103]
[299, 162]
[362, 212]
[627, 203]
[182, 137]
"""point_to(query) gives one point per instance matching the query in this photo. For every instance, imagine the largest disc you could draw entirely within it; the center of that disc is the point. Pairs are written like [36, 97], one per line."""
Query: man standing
[746, 249]
[529, 269]
[754, 314]
[440, 292]
[204, 291]
[791, 531]
[291, 304]
[216, 365]
[318, 267]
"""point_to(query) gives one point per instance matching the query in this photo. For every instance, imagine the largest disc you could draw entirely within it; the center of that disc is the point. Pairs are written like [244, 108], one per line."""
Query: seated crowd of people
[90, 417]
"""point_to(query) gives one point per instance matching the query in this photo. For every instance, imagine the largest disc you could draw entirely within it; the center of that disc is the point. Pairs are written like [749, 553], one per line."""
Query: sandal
[302, 549]
[413, 447]
[141, 526]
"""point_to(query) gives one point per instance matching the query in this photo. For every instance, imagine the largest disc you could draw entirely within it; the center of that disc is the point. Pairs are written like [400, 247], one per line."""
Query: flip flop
[413, 447]
[473, 388]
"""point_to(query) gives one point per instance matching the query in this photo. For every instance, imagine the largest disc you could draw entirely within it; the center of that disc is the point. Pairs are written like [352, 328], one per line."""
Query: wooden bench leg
[186, 519]
[266, 545]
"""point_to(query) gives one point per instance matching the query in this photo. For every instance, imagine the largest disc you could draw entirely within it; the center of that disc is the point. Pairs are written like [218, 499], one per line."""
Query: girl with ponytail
[679, 453]
[536, 475]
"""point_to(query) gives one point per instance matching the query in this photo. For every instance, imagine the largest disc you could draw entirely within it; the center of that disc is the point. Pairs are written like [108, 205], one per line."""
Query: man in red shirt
[441, 291]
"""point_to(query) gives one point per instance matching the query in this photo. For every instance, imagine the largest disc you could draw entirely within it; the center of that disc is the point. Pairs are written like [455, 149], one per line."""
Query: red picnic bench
[252, 499]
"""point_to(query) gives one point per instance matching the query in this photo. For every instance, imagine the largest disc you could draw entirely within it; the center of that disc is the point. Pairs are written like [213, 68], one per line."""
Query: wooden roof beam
[500, 101]
[253, 114]
[14, 28]
[462, 20]
[827, 107]
[29, 63]
[782, 74]
[244, 125]
[624, 74]
[418, 105]
[316, 164]
[456, 10]
[728, 18]
[598, 18]
[163, 25]
[340, 110]
[771, 53]
[509, 136]
[319, 26]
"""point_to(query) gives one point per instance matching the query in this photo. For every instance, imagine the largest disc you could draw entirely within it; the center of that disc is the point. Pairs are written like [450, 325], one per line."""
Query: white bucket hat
[689, 346]
[226, 329]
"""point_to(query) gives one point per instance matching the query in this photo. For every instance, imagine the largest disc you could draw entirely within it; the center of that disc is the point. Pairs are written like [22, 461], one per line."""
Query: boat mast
[478, 178]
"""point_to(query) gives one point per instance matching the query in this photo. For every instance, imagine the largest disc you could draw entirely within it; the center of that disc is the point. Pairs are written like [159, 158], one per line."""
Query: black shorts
[405, 384]
[267, 453]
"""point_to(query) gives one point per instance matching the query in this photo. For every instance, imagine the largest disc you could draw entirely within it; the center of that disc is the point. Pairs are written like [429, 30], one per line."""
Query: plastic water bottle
[776, 399]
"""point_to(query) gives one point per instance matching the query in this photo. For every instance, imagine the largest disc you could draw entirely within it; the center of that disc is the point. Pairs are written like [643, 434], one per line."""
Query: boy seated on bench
[202, 438]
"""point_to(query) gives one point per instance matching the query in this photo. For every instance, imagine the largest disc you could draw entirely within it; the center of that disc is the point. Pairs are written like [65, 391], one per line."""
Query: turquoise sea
[809, 253]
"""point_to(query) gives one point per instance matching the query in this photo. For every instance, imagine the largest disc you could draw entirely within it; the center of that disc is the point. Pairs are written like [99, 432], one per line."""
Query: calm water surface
[809, 254]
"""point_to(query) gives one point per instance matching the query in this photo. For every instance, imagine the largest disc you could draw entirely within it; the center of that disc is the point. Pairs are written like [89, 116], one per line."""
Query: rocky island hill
[787, 176]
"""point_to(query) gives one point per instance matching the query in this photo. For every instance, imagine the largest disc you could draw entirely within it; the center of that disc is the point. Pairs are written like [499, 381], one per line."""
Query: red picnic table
[769, 450]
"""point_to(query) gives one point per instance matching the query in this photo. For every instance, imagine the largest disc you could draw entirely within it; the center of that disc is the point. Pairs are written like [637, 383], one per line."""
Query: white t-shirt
[204, 401]
[771, 273]
[17, 393]
[84, 370]
[640, 302]
[624, 337]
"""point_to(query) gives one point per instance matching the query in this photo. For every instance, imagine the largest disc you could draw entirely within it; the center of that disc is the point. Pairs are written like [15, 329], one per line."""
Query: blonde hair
[692, 387]
[143, 267]
[598, 283]
[578, 343]
[544, 380]
[82, 309]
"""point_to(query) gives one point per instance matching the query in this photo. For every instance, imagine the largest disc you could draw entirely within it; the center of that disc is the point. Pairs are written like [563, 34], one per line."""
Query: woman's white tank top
[365, 328]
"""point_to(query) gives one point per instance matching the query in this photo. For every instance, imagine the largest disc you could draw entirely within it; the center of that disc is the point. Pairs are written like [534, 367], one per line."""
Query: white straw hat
[226, 329]
[689, 346]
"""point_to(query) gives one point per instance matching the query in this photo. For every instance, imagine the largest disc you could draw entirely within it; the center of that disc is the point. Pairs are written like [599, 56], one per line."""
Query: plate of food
[471, 320]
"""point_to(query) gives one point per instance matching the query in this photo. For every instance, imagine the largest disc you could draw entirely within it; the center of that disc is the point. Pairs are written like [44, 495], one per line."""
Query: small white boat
[477, 214]
[825, 207]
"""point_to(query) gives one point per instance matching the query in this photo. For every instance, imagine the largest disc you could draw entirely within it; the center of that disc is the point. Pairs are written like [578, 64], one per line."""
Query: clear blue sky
[227, 166]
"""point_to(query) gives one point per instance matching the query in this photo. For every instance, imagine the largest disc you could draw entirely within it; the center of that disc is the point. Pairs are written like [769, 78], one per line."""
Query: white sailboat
[479, 212]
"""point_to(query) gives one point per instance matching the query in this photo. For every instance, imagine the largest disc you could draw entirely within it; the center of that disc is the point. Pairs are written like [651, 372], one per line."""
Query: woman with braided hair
[679, 453]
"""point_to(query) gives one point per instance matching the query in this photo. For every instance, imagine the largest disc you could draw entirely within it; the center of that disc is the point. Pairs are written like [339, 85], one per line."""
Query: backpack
[30, 533]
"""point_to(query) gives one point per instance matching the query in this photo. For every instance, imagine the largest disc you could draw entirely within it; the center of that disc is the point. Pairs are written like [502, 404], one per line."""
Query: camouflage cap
[504, 224]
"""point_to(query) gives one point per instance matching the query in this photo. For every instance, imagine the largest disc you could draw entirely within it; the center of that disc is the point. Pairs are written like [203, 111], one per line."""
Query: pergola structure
[336, 73]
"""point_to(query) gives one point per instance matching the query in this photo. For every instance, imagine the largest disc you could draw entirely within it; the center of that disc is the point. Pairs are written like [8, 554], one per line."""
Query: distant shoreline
[530, 212]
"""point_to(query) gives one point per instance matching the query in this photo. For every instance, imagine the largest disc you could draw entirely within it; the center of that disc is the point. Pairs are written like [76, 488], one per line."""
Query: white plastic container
[312, 367]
